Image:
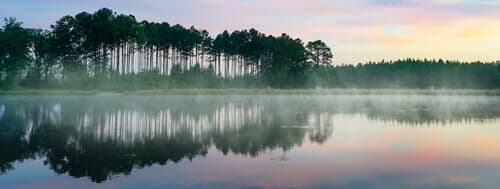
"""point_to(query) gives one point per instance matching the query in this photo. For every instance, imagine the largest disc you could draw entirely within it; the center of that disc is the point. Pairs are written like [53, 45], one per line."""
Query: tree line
[104, 45]
[108, 50]
[421, 74]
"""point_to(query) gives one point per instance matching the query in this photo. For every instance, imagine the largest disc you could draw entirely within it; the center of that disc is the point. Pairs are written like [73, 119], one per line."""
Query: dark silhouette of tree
[14, 51]
[42, 48]
[319, 52]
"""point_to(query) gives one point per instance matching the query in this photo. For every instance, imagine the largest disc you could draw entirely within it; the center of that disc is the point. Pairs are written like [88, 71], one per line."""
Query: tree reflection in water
[98, 137]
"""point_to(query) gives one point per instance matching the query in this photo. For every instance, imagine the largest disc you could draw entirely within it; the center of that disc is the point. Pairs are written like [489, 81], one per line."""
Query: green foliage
[195, 77]
[319, 53]
[412, 73]
[109, 51]
[93, 50]
[14, 52]
[323, 77]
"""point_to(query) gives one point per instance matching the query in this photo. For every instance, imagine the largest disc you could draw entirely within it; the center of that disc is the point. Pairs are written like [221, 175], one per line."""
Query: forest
[106, 50]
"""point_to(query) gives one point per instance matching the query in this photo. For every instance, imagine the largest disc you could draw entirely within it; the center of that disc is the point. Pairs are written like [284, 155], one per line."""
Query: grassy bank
[253, 91]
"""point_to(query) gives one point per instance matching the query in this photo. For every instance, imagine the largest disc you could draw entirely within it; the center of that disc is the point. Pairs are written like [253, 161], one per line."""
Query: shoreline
[488, 92]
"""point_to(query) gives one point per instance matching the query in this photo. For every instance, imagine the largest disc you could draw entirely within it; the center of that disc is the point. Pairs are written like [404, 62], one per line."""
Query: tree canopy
[108, 50]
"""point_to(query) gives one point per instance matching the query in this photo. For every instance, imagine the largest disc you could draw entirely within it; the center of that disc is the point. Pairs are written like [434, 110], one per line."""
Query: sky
[356, 30]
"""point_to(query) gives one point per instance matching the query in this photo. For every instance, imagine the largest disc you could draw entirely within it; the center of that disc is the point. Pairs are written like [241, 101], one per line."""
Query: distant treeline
[113, 51]
[420, 74]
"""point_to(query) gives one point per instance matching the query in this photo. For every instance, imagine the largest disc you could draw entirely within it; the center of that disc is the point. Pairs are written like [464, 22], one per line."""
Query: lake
[249, 141]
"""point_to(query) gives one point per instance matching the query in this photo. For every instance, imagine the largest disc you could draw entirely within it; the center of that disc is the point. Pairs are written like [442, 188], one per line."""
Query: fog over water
[263, 141]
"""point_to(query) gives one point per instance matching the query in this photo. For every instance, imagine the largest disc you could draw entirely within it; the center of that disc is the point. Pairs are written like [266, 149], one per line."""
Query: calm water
[263, 141]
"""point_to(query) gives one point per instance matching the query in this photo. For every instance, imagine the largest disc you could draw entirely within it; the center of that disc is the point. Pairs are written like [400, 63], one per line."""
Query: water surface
[250, 141]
